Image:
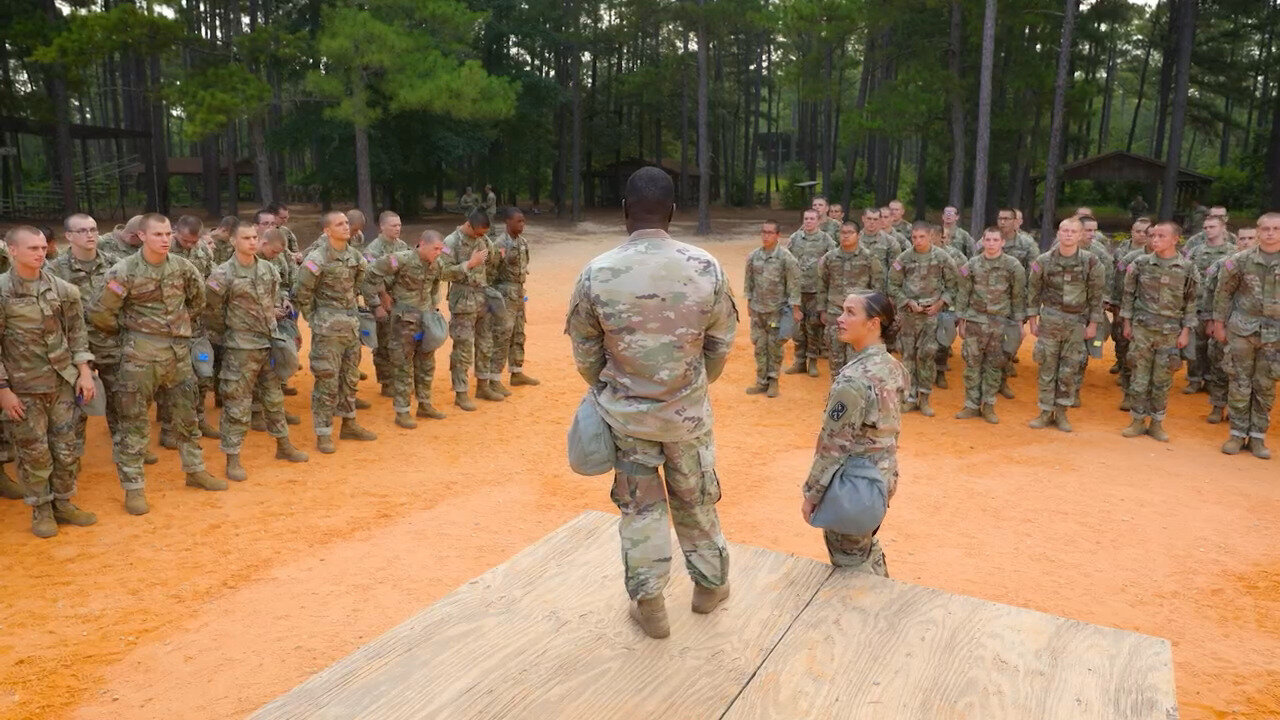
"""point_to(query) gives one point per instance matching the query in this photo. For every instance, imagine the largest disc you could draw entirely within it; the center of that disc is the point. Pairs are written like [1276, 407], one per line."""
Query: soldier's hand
[1184, 338]
[297, 258]
[797, 314]
[960, 329]
[1090, 331]
[84, 387]
[1128, 329]
[935, 308]
[1034, 322]
[380, 312]
[807, 507]
[11, 405]
[1219, 331]
[478, 258]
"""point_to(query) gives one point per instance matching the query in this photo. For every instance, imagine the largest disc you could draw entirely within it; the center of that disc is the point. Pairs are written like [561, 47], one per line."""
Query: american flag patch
[116, 288]
[213, 283]
[897, 265]
[312, 266]
[1035, 266]
[964, 270]
[1230, 265]
[446, 250]
[394, 262]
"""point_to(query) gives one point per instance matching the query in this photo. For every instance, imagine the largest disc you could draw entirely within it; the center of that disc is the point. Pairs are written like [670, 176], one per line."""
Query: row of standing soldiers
[145, 314]
[1213, 301]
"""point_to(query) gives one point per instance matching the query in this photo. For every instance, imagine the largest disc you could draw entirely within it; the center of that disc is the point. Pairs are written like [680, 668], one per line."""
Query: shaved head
[650, 199]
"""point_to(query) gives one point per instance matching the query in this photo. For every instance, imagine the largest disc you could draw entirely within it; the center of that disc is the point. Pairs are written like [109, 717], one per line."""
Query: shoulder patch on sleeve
[213, 283]
[393, 261]
[446, 250]
[964, 269]
[1230, 264]
[312, 266]
[1035, 266]
[838, 410]
[897, 265]
[115, 287]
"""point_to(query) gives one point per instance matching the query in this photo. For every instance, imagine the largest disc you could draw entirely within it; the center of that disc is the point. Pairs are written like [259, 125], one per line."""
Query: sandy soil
[214, 603]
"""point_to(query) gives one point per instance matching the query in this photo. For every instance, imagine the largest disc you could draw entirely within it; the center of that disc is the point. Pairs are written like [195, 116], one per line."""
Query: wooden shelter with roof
[1126, 167]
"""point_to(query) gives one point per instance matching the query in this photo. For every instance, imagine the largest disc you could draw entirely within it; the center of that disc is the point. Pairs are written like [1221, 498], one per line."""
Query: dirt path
[215, 603]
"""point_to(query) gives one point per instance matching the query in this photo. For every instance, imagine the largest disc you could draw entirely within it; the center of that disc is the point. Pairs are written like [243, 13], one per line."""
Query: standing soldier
[357, 220]
[490, 204]
[123, 241]
[1198, 239]
[271, 248]
[898, 218]
[846, 270]
[808, 245]
[826, 223]
[1065, 290]
[652, 322]
[326, 294]
[1246, 317]
[946, 318]
[836, 212]
[44, 370]
[468, 202]
[992, 295]
[406, 283]
[1159, 310]
[468, 318]
[281, 213]
[922, 281]
[772, 287]
[884, 245]
[387, 242]
[1217, 374]
[1214, 248]
[187, 232]
[242, 298]
[1017, 244]
[512, 271]
[1096, 244]
[151, 298]
[956, 236]
[1125, 253]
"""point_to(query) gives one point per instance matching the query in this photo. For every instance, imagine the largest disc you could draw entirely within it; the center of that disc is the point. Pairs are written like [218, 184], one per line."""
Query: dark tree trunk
[576, 163]
[1273, 157]
[1166, 81]
[1049, 213]
[1142, 87]
[983, 142]
[1104, 124]
[682, 190]
[704, 133]
[955, 193]
[1186, 30]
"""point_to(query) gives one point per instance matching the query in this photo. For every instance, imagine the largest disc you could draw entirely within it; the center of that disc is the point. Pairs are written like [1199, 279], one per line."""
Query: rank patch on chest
[838, 410]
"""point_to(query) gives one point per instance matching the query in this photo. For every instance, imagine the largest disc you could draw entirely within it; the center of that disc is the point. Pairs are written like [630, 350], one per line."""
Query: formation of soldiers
[164, 313]
[1212, 302]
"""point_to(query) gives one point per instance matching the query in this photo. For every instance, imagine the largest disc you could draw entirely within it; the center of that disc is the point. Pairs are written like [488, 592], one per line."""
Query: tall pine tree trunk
[1186, 31]
[364, 182]
[982, 148]
[704, 134]
[1166, 81]
[955, 194]
[1053, 165]
[682, 190]
[1108, 93]
[261, 162]
[1142, 87]
[576, 163]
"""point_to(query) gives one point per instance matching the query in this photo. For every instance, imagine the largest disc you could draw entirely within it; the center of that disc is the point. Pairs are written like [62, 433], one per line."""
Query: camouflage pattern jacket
[42, 333]
[325, 288]
[1160, 293]
[1248, 294]
[991, 289]
[772, 280]
[241, 303]
[842, 273]
[153, 306]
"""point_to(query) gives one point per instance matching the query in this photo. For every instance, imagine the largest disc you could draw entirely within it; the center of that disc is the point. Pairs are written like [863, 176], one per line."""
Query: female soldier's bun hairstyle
[878, 305]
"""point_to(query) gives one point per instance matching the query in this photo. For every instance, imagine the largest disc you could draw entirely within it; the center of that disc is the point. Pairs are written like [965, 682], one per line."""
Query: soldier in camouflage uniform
[150, 299]
[357, 221]
[836, 213]
[1065, 291]
[8, 488]
[846, 270]
[898, 218]
[652, 322]
[291, 246]
[469, 325]
[272, 248]
[1217, 375]
[1125, 253]
[186, 233]
[883, 244]
[326, 292]
[1246, 317]
[826, 223]
[387, 242]
[490, 204]
[947, 317]
[406, 284]
[862, 418]
[468, 202]
[808, 245]
[1200, 238]
[992, 295]
[922, 281]
[956, 236]
[44, 369]
[242, 298]
[1159, 310]
[512, 271]
[123, 241]
[771, 285]
[1214, 247]
[1096, 244]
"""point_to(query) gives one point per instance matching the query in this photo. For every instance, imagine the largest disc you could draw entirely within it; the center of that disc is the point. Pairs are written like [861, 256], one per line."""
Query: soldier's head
[28, 248]
[272, 243]
[809, 221]
[1215, 230]
[867, 320]
[81, 231]
[356, 219]
[187, 230]
[281, 211]
[992, 242]
[1007, 221]
[390, 225]
[336, 225]
[246, 241]
[131, 235]
[1139, 230]
[477, 223]
[649, 200]
[935, 235]
[469, 190]
[1083, 210]
[514, 218]
[769, 234]
[157, 236]
[264, 220]
[950, 215]
[1017, 219]
[226, 228]
[1163, 238]
[1247, 238]
[1220, 212]
[871, 220]
[836, 212]
[921, 236]
[1088, 224]
[430, 245]
[897, 210]
[849, 236]
[1069, 232]
[820, 204]
[1269, 232]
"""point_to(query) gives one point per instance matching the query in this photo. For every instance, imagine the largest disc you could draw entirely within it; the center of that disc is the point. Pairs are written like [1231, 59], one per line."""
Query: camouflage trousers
[46, 444]
[108, 374]
[808, 332]
[383, 369]
[139, 382]
[1255, 368]
[687, 492]
[246, 375]
[1153, 358]
[414, 368]
[335, 363]
[767, 342]
[472, 337]
[1122, 352]
[861, 553]
[1198, 346]
[984, 362]
[838, 353]
[918, 336]
[1058, 354]
[508, 333]
[1217, 376]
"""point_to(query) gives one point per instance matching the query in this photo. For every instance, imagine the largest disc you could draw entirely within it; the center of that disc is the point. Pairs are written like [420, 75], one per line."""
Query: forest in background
[112, 106]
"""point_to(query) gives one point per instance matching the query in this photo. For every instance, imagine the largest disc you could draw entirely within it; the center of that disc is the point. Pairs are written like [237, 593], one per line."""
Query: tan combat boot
[42, 523]
[1233, 445]
[519, 378]
[66, 513]
[484, 392]
[362, 404]
[351, 430]
[1156, 431]
[1215, 415]
[706, 599]
[291, 419]
[499, 388]
[150, 458]
[324, 443]
[135, 502]
[1258, 447]
[428, 411]
[1060, 418]
[258, 421]
[813, 367]
[941, 380]
[1006, 391]
[989, 414]
[967, 412]
[797, 367]
[758, 388]
[207, 430]
[1136, 428]
[773, 388]
[925, 409]
[1042, 420]
[8, 488]
[203, 480]
[236, 471]
[651, 615]
[462, 401]
[405, 421]
[286, 451]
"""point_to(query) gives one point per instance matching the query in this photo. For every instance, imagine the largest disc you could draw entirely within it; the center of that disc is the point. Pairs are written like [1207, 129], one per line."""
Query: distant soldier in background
[992, 295]
[883, 244]
[1218, 212]
[898, 218]
[187, 233]
[281, 212]
[357, 220]
[509, 278]
[1217, 362]
[468, 202]
[123, 241]
[922, 281]
[808, 245]
[956, 236]
[845, 270]
[826, 223]
[1214, 247]
[387, 242]
[771, 285]
[490, 204]
[469, 325]
[1137, 208]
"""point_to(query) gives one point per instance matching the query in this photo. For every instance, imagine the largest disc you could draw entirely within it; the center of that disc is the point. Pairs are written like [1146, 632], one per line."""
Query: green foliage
[89, 37]
[211, 97]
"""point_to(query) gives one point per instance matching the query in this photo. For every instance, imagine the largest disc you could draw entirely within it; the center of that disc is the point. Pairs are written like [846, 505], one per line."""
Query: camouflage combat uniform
[862, 418]
[90, 278]
[840, 274]
[290, 242]
[886, 248]
[325, 292]
[960, 239]
[1203, 257]
[652, 322]
[1247, 302]
[382, 369]
[470, 326]
[808, 249]
[200, 256]
[772, 286]
[831, 227]
[1066, 293]
[509, 278]
[1159, 300]
[1217, 376]
[992, 296]
[924, 277]
[1123, 261]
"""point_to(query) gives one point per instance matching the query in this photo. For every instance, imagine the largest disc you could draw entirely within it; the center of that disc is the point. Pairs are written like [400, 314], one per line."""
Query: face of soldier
[246, 243]
[854, 326]
[282, 217]
[83, 234]
[950, 216]
[992, 244]
[810, 222]
[269, 249]
[475, 232]
[871, 222]
[391, 227]
[429, 250]
[339, 227]
[848, 238]
[1269, 234]
[1069, 236]
[897, 211]
[1247, 238]
[157, 237]
[1005, 221]
[188, 240]
[820, 207]
[1213, 230]
[1086, 235]
[1139, 232]
[266, 221]
[1162, 239]
[29, 252]
[920, 240]
[836, 212]
[515, 225]
[768, 236]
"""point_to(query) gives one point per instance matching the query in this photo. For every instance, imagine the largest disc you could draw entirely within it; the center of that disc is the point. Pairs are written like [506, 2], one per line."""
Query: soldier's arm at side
[1224, 294]
[215, 301]
[73, 321]
[378, 279]
[845, 410]
[304, 288]
[1019, 308]
[1097, 280]
[791, 271]
[748, 281]
[723, 325]
[950, 281]
[895, 285]
[1190, 293]
[1130, 289]
[585, 333]
[104, 310]
[964, 287]
[1035, 285]
[194, 289]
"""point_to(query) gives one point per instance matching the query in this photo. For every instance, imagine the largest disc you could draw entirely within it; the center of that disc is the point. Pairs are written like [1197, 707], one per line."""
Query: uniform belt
[1063, 314]
[350, 312]
[159, 338]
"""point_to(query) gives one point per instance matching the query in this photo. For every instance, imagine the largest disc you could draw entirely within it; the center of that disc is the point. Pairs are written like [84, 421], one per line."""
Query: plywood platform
[546, 635]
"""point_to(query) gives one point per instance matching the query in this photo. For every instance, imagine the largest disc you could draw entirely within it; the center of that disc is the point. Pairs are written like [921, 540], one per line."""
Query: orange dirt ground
[214, 603]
